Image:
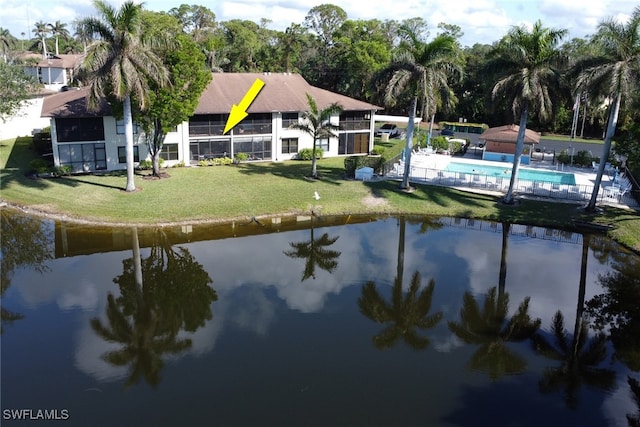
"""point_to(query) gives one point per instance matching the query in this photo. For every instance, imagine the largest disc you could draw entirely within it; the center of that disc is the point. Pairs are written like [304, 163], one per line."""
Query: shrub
[39, 165]
[62, 170]
[352, 163]
[180, 164]
[307, 154]
[564, 157]
[242, 156]
[440, 143]
[378, 150]
[454, 147]
[583, 158]
[145, 164]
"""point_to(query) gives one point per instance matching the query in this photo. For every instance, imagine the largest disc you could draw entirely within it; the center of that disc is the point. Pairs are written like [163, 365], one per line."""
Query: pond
[359, 321]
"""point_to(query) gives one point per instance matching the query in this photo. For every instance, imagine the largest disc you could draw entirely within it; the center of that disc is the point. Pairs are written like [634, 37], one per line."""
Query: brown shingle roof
[55, 61]
[282, 92]
[509, 133]
[72, 103]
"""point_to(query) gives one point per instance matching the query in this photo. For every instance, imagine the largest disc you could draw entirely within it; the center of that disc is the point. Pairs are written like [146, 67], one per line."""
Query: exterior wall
[504, 157]
[113, 140]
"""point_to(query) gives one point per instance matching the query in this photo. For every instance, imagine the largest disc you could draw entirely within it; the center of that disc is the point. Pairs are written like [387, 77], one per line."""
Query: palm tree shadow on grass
[293, 170]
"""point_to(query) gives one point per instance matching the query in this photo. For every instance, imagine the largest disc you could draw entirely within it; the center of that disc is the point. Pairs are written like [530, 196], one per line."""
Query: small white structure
[364, 173]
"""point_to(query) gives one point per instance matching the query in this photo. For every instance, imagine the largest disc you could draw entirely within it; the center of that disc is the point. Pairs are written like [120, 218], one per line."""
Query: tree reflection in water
[315, 252]
[161, 295]
[24, 243]
[578, 355]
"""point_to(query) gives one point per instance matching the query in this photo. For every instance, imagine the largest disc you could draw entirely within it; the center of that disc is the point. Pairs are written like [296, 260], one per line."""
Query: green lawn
[222, 193]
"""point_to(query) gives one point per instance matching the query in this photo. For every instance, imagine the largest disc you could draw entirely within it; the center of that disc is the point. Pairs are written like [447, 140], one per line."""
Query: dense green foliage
[16, 87]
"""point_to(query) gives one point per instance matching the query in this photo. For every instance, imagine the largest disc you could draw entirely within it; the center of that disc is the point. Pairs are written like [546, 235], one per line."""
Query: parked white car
[390, 129]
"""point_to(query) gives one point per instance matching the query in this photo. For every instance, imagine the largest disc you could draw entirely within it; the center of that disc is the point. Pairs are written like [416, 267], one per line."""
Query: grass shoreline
[222, 194]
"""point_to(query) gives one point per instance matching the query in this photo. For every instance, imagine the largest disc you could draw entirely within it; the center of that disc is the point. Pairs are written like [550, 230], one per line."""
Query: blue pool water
[523, 173]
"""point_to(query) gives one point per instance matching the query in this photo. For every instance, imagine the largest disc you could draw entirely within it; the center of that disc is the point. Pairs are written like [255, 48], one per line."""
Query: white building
[94, 140]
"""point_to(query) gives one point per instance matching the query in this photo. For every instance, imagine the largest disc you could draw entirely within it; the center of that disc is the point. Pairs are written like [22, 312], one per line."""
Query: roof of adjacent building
[509, 133]
[53, 61]
[72, 103]
[282, 92]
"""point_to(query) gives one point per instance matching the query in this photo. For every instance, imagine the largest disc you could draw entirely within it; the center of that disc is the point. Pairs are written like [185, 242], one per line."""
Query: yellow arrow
[239, 112]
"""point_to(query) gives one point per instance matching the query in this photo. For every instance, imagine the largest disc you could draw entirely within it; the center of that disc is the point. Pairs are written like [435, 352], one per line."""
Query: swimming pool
[523, 173]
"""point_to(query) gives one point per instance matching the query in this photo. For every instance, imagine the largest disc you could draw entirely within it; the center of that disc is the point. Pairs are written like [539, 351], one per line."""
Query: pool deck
[584, 177]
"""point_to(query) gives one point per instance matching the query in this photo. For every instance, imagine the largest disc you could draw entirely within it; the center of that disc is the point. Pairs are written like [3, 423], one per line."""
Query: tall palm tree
[7, 41]
[420, 72]
[315, 252]
[82, 34]
[616, 75]
[488, 326]
[59, 30]
[317, 123]
[120, 63]
[41, 30]
[528, 63]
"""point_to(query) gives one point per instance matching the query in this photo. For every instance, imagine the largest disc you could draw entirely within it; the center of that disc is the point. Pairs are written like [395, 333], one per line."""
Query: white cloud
[482, 21]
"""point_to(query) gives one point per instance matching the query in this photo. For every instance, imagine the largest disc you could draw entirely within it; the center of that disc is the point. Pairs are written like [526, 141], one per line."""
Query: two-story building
[94, 140]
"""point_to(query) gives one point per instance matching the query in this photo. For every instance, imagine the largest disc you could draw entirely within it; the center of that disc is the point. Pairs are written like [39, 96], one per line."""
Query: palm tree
[528, 64]
[317, 123]
[616, 75]
[7, 41]
[120, 64]
[578, 360]
[59, 30]
[421, 72]
[490, 328]
[82, 34]
[41, 31]
[315, 253]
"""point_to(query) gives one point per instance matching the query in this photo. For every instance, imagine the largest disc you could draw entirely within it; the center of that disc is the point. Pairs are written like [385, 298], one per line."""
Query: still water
[341, 321]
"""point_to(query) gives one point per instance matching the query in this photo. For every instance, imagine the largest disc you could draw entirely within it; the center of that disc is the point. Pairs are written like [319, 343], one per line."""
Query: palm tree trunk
[314, 171]
[128, 132]
[44, 48]
[409, 146]
[57, 53]
[611, 128]
[516, 158]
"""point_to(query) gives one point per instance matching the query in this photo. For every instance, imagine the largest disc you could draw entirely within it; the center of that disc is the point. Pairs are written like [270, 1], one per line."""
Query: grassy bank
[221, 193]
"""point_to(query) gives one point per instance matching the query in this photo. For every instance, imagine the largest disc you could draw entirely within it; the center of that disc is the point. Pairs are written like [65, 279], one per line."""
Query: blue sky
[482, 21]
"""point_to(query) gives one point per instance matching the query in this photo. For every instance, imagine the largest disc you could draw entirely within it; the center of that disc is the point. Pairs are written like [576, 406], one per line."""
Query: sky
[482, 21]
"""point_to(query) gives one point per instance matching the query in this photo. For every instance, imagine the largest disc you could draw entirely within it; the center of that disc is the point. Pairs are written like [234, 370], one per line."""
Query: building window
[207, 124]
[80, 129]
[120, 127]
[169, 152]
[254, 124]
[122, 154]
[355, 120]
[210, 148]
[257, 147]
[353, 143]
[83, 157]
[288, 119]
[323, 143]
[289, 145]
